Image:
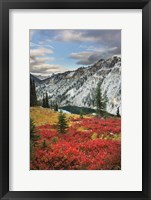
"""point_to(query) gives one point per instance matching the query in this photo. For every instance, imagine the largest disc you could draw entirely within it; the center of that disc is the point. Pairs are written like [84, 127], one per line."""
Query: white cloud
[48, 40]
[110, 37]
[40, 52]
[80, 55]
[76, 36]
[43, 59]
[41, 44]
[46, 69]
[98, 49]
[39, 62]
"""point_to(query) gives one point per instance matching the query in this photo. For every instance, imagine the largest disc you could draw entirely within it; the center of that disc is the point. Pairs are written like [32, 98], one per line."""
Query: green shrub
[62, 124]
[54, 140]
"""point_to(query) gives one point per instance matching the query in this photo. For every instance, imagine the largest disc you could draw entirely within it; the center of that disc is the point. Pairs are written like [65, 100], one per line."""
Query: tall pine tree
[33, 96]
[62, 124]
[47, 102]
[99, 101]
[55, 106]
[34, 137]
[31, 93]
[118, 113]
[34, 91]
[43, 102]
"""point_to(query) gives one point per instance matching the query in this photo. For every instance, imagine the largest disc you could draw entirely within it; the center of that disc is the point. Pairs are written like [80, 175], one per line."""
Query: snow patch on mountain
[78, 87]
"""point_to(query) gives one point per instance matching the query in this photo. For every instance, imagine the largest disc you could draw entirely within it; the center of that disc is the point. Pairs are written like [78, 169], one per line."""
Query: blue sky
[56, 51]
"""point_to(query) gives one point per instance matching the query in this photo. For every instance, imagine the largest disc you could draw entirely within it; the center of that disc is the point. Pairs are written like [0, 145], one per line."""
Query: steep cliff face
[78, 87]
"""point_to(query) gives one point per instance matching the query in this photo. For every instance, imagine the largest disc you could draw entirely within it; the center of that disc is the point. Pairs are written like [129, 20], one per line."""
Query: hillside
[89, 143]
[77, 88]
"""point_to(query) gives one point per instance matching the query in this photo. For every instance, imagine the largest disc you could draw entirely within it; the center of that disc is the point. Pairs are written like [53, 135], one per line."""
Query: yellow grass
[43, 116]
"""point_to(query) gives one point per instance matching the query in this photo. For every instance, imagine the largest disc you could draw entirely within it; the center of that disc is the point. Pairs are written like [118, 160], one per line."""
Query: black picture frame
[5, 5]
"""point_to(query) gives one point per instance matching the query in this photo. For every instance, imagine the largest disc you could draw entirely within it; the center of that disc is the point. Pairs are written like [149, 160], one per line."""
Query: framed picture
[75, 99]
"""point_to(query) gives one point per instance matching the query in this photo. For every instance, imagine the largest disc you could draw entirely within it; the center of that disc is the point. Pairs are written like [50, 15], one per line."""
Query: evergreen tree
[118, 113]
[46, 101]
[105, 100]
[31, 93]
[51, 104]
[56, 107]
[62, 124]
[81, 114]
[33, 137]
[34, 92]
[43, 102]
[33, 133]
[99, 101]
[33, 96]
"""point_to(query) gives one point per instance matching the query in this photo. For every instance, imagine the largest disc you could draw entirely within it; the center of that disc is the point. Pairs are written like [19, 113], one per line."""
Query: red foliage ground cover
[89, 144]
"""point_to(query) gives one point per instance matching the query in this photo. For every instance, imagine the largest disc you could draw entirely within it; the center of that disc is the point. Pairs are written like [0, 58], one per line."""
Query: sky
[57, 51]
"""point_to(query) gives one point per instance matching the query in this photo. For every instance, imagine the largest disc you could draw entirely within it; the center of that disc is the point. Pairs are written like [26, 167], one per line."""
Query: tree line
[45, 100]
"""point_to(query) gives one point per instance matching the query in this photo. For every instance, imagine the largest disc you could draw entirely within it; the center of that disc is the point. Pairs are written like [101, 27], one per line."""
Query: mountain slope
[78, 87]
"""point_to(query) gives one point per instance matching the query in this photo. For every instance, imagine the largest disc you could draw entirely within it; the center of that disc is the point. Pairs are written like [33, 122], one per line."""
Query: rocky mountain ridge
[78, 87]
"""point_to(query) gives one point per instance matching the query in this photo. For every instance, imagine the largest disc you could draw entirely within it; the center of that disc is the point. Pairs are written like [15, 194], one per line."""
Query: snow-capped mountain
[78, 87]
[42, 77]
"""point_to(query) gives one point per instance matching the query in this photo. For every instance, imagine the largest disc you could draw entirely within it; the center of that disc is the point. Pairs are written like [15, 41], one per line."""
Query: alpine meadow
[75, 99]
